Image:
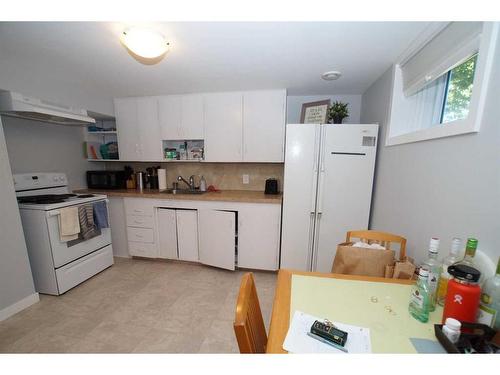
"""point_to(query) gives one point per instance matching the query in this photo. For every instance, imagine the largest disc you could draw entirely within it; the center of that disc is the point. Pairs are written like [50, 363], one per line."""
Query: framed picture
[315, 112]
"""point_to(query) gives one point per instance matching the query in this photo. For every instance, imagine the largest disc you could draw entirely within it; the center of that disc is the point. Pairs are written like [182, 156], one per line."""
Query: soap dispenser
[203, 184]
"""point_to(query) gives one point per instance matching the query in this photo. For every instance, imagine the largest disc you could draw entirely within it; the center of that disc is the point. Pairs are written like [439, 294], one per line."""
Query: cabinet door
[187, 234]
[217, 238]
[167, 229]
[192, 118]
[259, 236]
[223, 127]
[264, 126]
[126, 126]
[149, 129]
[169, 113]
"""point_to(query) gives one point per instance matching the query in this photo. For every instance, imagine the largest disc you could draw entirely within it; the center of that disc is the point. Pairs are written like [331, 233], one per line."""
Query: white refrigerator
[327, 190]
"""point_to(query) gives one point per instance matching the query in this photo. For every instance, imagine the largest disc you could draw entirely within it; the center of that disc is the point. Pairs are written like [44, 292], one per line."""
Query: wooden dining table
[280, 319]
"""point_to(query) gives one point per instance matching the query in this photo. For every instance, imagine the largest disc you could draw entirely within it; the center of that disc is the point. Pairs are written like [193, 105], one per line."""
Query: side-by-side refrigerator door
[299, 195]
[347, 162]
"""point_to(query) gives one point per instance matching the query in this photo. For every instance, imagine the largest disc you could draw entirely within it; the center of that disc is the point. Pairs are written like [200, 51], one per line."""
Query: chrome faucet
[190, 183]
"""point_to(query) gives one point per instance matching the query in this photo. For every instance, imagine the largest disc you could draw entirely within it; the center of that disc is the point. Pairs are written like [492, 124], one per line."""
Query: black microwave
[106, 179]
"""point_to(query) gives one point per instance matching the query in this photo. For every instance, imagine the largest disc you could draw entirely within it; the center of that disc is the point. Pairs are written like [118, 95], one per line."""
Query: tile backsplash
[224, 176]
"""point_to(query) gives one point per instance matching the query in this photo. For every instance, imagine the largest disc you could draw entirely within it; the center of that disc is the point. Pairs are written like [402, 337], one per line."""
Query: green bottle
[419, 298]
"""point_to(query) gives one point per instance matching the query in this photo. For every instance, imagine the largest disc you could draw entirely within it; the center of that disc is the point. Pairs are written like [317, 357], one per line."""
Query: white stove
[58, 266]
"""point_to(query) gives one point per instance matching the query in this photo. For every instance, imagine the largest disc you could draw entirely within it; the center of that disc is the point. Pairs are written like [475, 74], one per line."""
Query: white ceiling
[213, 56]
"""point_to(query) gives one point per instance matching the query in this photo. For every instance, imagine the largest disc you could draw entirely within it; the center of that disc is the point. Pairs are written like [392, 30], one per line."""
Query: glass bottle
[489, 308]
[470, 251]
[434, 267]
[419, 298]
[453, 257]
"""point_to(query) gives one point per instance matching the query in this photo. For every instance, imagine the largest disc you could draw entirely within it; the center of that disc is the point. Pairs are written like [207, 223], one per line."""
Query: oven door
[62, 252]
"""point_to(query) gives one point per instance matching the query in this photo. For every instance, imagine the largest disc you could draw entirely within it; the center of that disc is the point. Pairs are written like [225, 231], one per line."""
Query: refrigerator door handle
[314, 259]
[310, 249]
[320, 192]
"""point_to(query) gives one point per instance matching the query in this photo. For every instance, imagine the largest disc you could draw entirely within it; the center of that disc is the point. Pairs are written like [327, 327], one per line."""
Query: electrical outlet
[246, 179]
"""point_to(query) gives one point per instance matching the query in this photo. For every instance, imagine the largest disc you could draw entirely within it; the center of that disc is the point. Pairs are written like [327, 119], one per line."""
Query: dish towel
[69, 225]
[86, 219]
[101, 215]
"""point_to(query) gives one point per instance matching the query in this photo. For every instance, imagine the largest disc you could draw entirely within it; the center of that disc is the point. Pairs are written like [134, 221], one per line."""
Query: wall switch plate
[246, 179]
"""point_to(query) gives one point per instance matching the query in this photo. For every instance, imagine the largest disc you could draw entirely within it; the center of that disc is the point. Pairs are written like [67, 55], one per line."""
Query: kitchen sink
[183, 191]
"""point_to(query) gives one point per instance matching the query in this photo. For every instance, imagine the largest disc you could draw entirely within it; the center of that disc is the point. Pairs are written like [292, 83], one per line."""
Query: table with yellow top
[376, 303]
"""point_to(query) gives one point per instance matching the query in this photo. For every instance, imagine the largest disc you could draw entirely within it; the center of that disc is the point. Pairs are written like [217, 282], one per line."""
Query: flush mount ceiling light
[146, 44]
[332, 75]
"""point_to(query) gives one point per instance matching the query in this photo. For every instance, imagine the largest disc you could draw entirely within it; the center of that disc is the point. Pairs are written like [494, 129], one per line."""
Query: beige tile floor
[138, 306]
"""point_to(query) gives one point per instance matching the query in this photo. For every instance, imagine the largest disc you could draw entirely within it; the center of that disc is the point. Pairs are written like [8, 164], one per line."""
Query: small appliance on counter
[271, 186]
[107, 179]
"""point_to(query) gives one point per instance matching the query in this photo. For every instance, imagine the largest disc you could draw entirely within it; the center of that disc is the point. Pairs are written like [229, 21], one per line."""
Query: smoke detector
[332, 75]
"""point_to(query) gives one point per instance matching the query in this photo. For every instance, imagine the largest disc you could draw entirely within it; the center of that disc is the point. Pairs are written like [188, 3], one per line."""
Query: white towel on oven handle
[69, 224]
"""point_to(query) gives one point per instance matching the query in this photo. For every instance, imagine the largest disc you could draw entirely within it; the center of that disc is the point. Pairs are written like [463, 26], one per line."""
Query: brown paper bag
[404, 270]
[351, 260]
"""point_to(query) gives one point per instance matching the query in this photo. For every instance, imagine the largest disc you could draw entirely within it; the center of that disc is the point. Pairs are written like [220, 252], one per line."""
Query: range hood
[17, 105]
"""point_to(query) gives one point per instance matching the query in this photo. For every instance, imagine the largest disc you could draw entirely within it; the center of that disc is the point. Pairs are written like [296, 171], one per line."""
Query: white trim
[479, 92]
[19, 306]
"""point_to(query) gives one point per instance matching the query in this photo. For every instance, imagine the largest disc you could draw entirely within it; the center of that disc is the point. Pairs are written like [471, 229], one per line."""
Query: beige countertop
[246, 196]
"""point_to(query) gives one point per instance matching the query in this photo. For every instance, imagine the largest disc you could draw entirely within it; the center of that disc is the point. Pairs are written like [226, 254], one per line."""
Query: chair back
[248, 322]
[382, 238]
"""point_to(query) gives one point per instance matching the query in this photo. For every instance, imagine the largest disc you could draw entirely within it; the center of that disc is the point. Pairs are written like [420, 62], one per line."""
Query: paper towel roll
[162, 179]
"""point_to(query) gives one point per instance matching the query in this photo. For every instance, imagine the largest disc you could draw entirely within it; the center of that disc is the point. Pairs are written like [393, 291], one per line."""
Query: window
[459, 83]
[439, 90]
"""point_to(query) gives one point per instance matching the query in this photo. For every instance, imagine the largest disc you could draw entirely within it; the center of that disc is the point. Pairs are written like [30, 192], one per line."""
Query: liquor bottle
[434, 267]
[470, 251]
[445, 276]
[489, 307]
[419, 298]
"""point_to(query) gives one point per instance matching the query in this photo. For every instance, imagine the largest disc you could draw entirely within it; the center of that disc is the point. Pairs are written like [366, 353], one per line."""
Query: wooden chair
[382, 238]
[248, 322]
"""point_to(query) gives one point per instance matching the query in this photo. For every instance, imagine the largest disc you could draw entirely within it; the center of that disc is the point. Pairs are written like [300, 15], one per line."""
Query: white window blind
[453, 45]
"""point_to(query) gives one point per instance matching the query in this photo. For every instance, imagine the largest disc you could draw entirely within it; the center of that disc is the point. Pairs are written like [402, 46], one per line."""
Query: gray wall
[443, 187]
[41, 147]
[16, 281]
[294, 106]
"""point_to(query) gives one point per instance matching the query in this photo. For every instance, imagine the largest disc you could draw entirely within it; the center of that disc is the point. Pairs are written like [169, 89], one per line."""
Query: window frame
[472, 123]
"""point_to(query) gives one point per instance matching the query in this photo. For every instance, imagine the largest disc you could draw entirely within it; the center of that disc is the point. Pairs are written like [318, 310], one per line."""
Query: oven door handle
[57, 212]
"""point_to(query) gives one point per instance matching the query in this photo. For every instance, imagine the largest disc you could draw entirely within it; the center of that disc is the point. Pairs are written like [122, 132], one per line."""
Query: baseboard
[19, 306]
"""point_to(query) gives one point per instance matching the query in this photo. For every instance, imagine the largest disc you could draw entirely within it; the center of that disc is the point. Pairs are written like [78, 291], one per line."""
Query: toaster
[271, 186]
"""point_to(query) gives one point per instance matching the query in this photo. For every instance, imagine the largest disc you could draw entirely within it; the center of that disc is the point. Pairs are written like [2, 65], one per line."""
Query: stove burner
[45, 199]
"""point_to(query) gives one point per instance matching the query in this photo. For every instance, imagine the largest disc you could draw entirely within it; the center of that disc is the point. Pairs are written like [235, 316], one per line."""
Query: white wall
[443, 187]
[16, 281]
[42, 147]
[294, 106]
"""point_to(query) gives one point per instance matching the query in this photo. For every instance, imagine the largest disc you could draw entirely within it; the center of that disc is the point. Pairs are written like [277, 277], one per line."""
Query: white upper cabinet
[223, 127]
[169, 113]
[128, 136]
[149, 129]
[138, 129]
[181, 116]
[235, 126]
[192, 116]
[264, 125]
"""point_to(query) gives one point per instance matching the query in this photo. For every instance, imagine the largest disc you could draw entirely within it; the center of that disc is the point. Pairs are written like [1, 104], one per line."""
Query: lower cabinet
[217, 231]
[259, 236]
[219, 234]
[178, 234]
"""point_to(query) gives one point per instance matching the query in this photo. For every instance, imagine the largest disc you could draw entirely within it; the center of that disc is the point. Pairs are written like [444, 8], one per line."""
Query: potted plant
[338, 112]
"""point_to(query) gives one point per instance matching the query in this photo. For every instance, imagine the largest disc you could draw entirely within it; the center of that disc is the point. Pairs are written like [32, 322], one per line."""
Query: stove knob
[55, 178]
